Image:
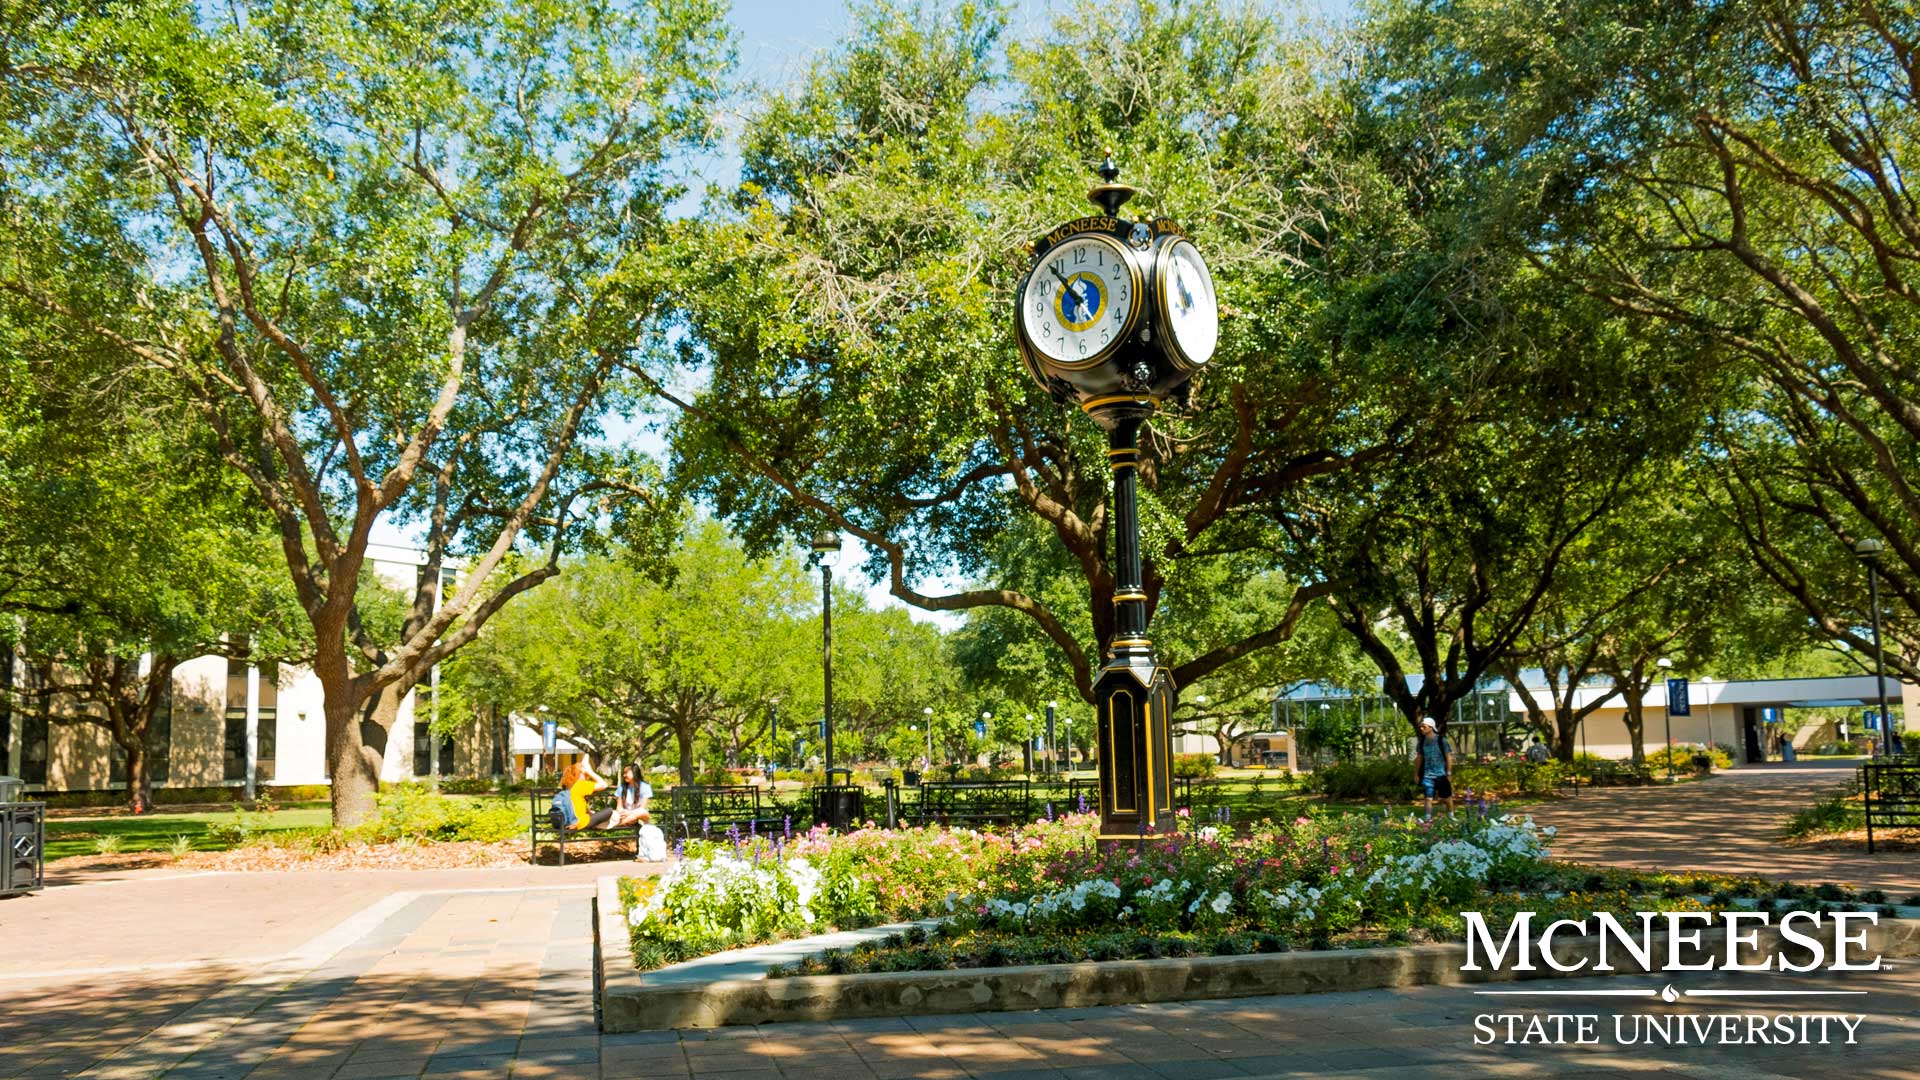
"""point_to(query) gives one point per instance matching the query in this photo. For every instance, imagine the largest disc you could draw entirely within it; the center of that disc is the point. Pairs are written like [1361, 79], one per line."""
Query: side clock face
[1189, 310]
[1080, 301]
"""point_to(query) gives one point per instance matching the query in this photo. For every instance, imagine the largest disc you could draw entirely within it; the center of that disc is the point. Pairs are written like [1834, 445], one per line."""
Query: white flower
[1221, 903]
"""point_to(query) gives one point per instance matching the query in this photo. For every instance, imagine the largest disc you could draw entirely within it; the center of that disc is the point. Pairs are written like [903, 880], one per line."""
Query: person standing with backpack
[1436, 766]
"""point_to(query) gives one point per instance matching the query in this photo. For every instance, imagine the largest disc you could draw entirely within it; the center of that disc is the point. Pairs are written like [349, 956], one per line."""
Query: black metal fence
[1891, 791]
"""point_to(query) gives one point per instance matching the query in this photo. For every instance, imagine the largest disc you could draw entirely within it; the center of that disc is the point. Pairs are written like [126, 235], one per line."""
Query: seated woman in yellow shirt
[581, 781]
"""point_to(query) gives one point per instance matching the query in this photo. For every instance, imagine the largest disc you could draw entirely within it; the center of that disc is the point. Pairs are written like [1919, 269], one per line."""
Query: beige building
[230, 723]
[1747, 715]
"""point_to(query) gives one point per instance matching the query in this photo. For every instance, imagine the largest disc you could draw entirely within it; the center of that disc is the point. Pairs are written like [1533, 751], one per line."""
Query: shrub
[1381, 778]
[1682, 755]
[1198, 766]
[1836, 814]
[415, 812]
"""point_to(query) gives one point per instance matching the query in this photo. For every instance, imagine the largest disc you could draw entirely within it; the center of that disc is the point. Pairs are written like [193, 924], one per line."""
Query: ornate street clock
[1118, 315]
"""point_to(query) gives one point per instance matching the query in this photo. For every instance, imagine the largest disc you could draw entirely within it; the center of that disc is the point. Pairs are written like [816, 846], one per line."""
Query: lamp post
[825, 543]
[928, 713]
[1053, 755]
[1707, 681]
[1665, 665]
[1868, 549]
[1116, 316]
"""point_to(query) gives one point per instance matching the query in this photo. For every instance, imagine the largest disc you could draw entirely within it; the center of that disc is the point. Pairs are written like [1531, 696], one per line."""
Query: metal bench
[1891, 789]
[703, 809]
[973, 802]
[543, 829]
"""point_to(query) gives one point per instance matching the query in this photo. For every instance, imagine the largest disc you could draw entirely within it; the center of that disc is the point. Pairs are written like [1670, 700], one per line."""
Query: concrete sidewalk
[1728, 823]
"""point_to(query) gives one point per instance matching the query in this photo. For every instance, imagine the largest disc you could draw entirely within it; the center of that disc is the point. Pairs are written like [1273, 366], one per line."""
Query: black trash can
[23, 838]
[838, 806]
[909, 777]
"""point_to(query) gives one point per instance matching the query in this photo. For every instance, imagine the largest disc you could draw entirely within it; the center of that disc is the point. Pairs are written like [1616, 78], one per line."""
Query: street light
[1053, 757]
[1665, 665]
[1707, 681]
[928, 713]
[825, 543]
[1868, 549]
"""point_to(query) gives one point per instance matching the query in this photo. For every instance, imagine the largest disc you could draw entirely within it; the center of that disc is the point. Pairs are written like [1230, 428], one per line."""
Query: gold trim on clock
[1135, 304]
[1170, 341]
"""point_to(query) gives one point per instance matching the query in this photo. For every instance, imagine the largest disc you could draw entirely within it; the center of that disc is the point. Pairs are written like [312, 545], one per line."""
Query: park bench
[1891, 790]
[973, 802]
[706, 809]
[543, 828]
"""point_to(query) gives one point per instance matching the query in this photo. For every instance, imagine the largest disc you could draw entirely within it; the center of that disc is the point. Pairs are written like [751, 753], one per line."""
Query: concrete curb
[624, 1002]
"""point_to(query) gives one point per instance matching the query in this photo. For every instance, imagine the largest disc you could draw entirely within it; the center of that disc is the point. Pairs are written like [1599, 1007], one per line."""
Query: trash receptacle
[12, 789]
[838, 805]
[909, 777]
[23, 838]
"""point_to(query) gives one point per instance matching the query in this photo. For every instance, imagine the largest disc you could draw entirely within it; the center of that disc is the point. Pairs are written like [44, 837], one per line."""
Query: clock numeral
[1083, 348]
[1079, 256]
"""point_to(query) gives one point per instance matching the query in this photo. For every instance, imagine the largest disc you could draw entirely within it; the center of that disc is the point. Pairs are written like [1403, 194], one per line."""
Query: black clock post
[1117, 315]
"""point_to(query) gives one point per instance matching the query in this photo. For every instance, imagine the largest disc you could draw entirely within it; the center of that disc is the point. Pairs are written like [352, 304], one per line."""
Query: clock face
[1189, 309]
[1080, 301]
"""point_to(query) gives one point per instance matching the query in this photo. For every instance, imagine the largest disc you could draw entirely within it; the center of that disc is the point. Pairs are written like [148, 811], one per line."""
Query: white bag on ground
[653, 844]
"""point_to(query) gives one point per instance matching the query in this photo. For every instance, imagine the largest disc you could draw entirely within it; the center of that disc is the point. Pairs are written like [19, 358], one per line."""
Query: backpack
[651, 845]
[560, 814]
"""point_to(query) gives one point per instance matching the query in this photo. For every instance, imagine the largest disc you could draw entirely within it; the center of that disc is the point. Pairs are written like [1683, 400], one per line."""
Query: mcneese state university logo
[1742, 943]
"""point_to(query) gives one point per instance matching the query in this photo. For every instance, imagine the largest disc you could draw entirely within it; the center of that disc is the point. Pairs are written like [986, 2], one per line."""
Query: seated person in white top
[630, 799]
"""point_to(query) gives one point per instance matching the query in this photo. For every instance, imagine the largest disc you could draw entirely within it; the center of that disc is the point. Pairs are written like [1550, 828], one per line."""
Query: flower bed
[1209, 890]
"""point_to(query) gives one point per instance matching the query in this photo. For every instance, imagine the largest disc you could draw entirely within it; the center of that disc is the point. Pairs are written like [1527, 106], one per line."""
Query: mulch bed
[424, 856]
[1856, 840]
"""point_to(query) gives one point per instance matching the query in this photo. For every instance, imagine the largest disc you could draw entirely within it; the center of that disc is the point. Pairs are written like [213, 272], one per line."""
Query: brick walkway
[477, 973]
[1729, 823]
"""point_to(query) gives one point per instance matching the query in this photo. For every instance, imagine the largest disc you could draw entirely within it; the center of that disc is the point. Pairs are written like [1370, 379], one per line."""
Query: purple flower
[788, 827]
[1083, 804]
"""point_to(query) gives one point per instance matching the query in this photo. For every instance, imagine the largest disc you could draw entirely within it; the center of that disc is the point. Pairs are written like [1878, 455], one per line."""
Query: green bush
[1682, 755]
[415, 812]
[1509, 775]
[1381, 778]
[1198, 766]
[1837, 814]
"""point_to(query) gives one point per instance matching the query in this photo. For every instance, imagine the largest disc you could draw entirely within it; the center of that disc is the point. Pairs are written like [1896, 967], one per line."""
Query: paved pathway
[1728, 823]
[485, 973]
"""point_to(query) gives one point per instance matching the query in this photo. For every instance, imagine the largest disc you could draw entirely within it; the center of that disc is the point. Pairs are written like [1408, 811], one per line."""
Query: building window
[160, 738]
[33, 744]
[267, 738]
[422, 750]
[6, 713]
[446, 756]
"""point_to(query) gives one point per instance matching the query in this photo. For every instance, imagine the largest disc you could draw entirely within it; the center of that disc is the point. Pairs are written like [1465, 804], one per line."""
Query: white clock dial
[1191, 311]
[1080, 301]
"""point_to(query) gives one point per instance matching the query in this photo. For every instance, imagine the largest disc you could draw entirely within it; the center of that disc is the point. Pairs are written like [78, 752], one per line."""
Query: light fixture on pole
[1707, 681]
[1665, 665]
[1053, 760]
[825, 543]
[1868, 549]
[928, 713]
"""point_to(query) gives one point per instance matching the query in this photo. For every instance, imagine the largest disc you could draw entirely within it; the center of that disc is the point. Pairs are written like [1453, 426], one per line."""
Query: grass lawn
[155, 832]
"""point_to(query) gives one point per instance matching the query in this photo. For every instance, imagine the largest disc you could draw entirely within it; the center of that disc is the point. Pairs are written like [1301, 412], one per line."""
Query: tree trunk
[1564, 737]
[139, 776]
[1636, 727]
[356, 746]
[683, 734]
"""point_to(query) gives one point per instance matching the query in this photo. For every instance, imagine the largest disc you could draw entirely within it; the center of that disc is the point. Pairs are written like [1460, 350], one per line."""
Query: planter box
[628, 1002]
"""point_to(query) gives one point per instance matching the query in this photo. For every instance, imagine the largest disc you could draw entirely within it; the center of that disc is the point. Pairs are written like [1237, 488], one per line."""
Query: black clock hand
[1078, 296]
